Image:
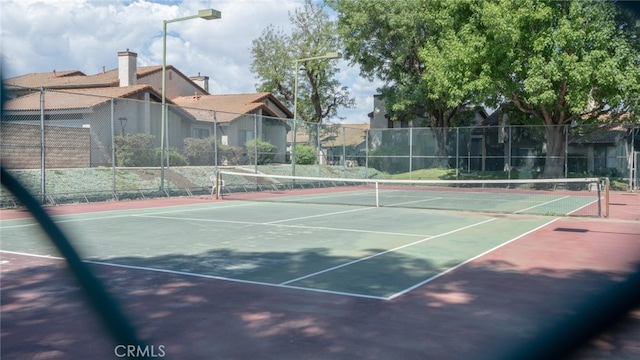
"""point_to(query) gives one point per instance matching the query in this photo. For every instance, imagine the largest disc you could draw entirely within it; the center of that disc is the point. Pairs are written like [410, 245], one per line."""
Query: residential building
[127, 100]
[240, 118]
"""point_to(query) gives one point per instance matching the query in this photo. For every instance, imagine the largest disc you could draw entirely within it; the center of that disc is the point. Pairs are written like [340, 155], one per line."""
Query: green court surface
[558, 197]
[373, 252]
[535, 203]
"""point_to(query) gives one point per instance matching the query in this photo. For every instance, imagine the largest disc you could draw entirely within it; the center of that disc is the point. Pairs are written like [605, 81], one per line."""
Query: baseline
[213, 277]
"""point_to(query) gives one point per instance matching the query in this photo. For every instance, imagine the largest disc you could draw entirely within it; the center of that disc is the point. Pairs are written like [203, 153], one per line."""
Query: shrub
[135, 150]
[266, 151]
[199, 151]
[175, 158]
[306, 155]
[229, 155]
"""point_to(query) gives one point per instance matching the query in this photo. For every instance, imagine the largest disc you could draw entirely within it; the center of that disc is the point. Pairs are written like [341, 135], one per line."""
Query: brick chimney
[202, 81]
[127, 68]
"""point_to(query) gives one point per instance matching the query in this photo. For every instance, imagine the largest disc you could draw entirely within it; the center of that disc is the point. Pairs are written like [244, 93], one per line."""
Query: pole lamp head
[209, 14]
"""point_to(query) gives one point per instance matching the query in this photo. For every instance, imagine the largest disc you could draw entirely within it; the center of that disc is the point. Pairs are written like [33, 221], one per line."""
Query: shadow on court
[386, 274]
[483, 311]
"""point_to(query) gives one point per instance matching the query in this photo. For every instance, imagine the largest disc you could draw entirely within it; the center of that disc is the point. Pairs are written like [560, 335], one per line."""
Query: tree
[274, 58]
[425, 51]
[555, 61]
[560, 62]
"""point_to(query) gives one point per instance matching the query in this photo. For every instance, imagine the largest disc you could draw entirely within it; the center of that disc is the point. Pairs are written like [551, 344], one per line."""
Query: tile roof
[35, 79]
[74, 79]
[78, 99]
[228, 107]
[333, 135]
[106, 84]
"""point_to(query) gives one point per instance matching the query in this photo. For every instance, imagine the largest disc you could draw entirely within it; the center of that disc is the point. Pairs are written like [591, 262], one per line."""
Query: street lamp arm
[329, 55]
[207, 14]
[181, 19]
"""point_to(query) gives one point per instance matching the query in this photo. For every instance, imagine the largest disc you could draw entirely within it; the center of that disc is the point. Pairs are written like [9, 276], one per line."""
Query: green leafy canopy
[276, 54]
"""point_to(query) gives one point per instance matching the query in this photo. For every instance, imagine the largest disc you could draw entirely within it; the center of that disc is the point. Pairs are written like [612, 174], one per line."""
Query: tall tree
[423, 50]
[560, 62]
[556, 61]
[275, 54]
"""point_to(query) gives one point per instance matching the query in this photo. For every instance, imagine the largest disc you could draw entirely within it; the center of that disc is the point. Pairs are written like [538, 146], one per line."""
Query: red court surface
[482, 310]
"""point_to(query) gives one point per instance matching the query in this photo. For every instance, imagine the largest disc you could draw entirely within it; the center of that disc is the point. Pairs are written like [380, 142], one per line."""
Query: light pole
[329, 55]
[207, 14]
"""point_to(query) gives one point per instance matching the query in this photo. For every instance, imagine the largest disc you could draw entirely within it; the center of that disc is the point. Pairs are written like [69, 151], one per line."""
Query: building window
[200, 133]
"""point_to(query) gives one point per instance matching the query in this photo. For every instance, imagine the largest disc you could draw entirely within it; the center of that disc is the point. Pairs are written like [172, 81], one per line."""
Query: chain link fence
[69, 146]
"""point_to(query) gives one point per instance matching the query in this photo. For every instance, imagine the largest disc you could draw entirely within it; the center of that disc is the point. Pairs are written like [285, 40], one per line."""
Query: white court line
[352, 210]
[35, 223]
[452, 194]
[319, 215]
[369, 194]
[464, 263]
[385, 252]
[221, 207]
[281, 225]
[32, 255]
[234, 280]
[584, 206]
[544, 203]
[184, 273]
[414, 201]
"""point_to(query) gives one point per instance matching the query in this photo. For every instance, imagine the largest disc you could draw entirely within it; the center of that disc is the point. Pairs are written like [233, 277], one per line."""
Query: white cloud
[85, 35]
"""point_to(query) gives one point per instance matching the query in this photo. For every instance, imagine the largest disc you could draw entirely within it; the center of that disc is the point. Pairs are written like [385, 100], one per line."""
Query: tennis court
[358, 251]
[292, 272]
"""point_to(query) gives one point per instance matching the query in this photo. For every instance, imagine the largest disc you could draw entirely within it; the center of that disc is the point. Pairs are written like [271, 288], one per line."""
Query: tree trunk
[441, 136]
[440, 126]
[554, 163]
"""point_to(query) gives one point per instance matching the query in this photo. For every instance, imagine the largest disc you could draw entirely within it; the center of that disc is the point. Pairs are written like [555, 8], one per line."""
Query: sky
[85, 35]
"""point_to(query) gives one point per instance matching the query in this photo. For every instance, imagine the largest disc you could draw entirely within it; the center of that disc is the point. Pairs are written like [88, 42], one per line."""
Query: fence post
[457, 150]
[162, 125]
[633, 166]
[318, 149]
[167, 152]
[366, 153]
[43, 153]
[410, 153]
[607, 187]
[113, 151]
[566, 151]
[344, 152]
[215, 141]
[510, 128]
[255, 143]
[292, 150]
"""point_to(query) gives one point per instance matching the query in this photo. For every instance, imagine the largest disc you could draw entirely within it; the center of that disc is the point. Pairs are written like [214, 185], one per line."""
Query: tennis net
[558, 197]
